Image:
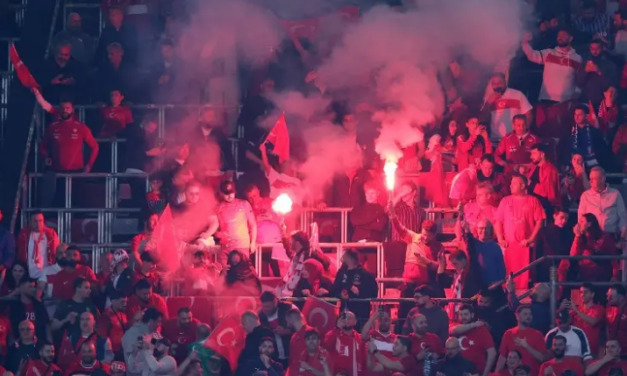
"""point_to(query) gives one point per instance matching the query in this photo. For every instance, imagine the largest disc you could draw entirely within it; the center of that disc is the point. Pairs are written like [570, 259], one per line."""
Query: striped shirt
[576, 342]
[410, 217]
[599, 25]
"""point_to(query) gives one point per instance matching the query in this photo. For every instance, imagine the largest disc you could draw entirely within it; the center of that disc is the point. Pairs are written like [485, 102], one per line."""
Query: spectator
[576, 180]
[524, 339]
[617, 317]
[589, 316]
[87, 364]
[503, 105]
[432, 311]
[75, 339]
[560, 67]
[52, 270]
[297, 324]
[544, 181]
[83, 45]
[490, 310]
[555, 240]
[619, 147]
[609, 112]
[238, 227]
[591, 22]
[62, 281]
[299, 250]
[588, 141]
[561, 363]
[513, 361]
[463, 283]
[620, 35]
[153, 359]
[181, 332]
[480, 346]
[147, 328]
[598, 74]
[368, 219]
[199, 278]
[605, 203]
[7, 246]
[487, 174]
[122, 277]
[65, 317]
[116, 74]
[578, 345]
[117, 31]
[213, 146]
[518, 222]
[485, 255]
[164, 79]
[611, 361]
[36, 245]
[45, 365]
[144, 298]
[312, 281]
[113, 323]
[480, 209]
[454, 364]
[255, 333]
[401, 350]
[353, 281]
[62, 76]
[382, 336]
[146, 155]
[314, 358]
[345, 346]
[195, 220]
[116, 117]
[12, 278]
[262, 362]
[146, 270]
[516, 146]
[27, 306]
[471, 148]
[274, 315]
[426, 346]
[241, 277]
[24, 348]
[285, 180]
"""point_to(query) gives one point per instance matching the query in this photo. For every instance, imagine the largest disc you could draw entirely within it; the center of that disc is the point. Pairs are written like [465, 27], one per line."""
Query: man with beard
[561, 363]
[87, 364]
[486, 174]
[145, 298]
[540, 304]
[75, 339]
[28, 307]
[147, 329]
[560, 67]
[544, 180]
[518, 221]
[578, 345]
[514, 149]
[263, 362]
[598, 74]
[83, 46]
[425, 346]
[255, 333]
[113, 323]
[503, 104]
[345, 345]
[44, 366]
[298, 342]
[480, 209]
[50, 271]
[588, 141]
[314, 360]
[611, 360]
[433, 312]
[475, 340]
[273, 314]
[181, 332]
[68, 311]
[401, 350]
[238, 226]
[71, 269]
[153, 358]
[617, 317]
[382, 337]
[62, 75]
[453, 364]
[353, 281]
[24, 348]
[524, 339]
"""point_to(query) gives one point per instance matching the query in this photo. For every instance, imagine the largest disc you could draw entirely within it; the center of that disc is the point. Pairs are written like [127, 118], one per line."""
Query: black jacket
[17, 312]
[303, 284]
[256, 365]
[251, 345]
[18, 352]
[364, 281]
[281, 315]
[470, 283]
[457, 366]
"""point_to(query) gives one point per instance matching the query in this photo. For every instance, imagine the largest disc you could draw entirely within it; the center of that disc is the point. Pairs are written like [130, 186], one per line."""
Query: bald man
[345, 345]
[24, 348]
[87, 364]
[425, 345]
[454, 364]
[255, 333]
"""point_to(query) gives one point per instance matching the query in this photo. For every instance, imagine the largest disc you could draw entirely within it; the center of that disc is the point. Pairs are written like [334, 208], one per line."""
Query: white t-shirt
[511, 103]
[281, 183]
[36, 267]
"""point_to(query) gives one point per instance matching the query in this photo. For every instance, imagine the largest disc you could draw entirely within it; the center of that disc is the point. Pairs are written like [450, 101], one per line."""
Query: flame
[390, 174]
[282, 204]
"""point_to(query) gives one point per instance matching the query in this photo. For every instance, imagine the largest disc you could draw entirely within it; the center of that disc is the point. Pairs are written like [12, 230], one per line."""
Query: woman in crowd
[240, 277]
[12, 278]
[299, 250]
[312, 282]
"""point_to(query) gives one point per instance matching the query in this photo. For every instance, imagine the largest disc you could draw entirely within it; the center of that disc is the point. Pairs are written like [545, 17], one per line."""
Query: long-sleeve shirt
[146, 364]
[608, 206]
[560, 70]
[7, 247]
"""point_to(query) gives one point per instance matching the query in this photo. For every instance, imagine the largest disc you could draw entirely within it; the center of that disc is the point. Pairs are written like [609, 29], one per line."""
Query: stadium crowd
[524, 152]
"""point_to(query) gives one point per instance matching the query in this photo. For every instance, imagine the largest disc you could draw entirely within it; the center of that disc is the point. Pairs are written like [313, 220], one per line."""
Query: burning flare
[390, 173]
[282, 204]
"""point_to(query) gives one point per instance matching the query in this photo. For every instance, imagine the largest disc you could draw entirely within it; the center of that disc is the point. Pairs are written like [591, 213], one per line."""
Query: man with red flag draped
[345, 346]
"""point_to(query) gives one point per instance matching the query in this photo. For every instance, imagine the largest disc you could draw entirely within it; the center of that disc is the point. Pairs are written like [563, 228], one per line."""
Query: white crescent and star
[461, 342]
[222, 333]
[320, 311]
[239, 301]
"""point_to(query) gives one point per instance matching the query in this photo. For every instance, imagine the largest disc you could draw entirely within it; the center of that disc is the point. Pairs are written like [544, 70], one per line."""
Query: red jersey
[63, 282]
[297, 346]
[313, 361]
[428, 341]
[112, 325]
[475, 344]
[135, 305]
[515, 150]
[617, 326]
[384, 345]
[410, 365]
[115, 120]
[39, 368]
[63, 143]
[179, 336]
[593, 332]
[78, 369]
[347, 350]
[5, 328]
[534, 338]
[605, 370]
[567, 363]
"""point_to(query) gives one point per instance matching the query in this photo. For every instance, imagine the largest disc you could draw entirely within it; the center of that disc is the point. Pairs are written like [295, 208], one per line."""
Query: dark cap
[227, 187]
[563, 316]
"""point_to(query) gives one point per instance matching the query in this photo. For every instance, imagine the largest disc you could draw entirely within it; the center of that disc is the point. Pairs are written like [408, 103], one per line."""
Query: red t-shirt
[386, 341]
[428, 341]
[617, 326]
[112, 325]
[515, 151]
[63, 282]
[78, 369]
[115, 119]
[63, 142]
[568, 363]
[313, 361]
[181, 337]
[534, 338]
[297, 346]
[135, 305]
[5, 328]
[37, 367]
[474, 344]
[605, 370]
[593, 332]
[410, 365]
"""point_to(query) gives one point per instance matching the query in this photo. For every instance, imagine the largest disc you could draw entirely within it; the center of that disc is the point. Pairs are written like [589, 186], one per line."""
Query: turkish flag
[280, 139]
[237, 305]
[228, 339]
[23, 74]
[166, 241]
[202, 307]
[320, 315]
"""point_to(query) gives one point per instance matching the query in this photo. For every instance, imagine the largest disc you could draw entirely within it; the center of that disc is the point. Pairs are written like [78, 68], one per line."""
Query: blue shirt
[489, 258]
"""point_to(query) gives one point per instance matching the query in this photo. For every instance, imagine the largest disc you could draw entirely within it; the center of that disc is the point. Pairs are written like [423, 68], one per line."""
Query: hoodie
[365, 283]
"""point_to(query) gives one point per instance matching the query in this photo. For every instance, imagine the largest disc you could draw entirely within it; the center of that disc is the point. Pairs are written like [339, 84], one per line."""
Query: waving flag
[280, 139]
[320, 315]
[167, 247]
[23, 74]
[228, 339]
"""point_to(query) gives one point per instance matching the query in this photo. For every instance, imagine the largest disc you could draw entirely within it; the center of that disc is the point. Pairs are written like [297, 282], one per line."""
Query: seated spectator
[425, 346]
[314, 358]
[36, 245]
[353, 281]
[561, 363]
[12, 278]
[575, 181]
[616, 320]
[471, 148]
[61, 283]
[113, 323]
[487, 174]
[117, 31]
[262, 362]
[402, 351]
[463, 282]
[87, 334]
[116, 117]
[523, 338]
[87, 364]
[503, 105]
[513, 361]
[454, 363]
[153, 359]
[181, 332]
[240, 276]
[312, 281]
[144, 298]
[345, 346]
[27, 306]
[24, 348]
[432, 311]
[480, 347]
[7, 246]
[598, 74]
[255, 333]
[587, 140]
[83, 45]
[147, 328]
[514, 149]
[66, 317]
[45, 365]
[485, 255]
[611, 361]
[116, 74]
[62, 76]
[578, 345]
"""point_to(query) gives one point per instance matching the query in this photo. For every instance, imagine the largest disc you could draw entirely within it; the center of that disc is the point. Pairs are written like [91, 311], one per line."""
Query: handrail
[92, 175]
[83, 210]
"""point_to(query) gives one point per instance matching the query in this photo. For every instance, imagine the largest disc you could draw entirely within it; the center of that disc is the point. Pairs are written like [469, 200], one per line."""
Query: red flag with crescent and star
[280, 139]
[23, 74]
[166, 243]
[236, 306]
[228, 339]
[320, 315]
